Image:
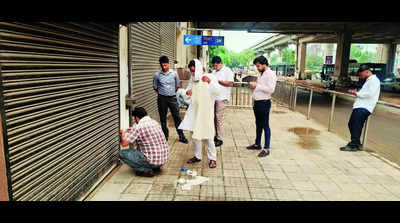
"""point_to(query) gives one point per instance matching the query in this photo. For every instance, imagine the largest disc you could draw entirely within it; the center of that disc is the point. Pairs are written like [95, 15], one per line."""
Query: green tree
[220, 51]
[288, 56]
[273, 59]
[361, 56]
[314, 62]
[231, 58]
[247, 56]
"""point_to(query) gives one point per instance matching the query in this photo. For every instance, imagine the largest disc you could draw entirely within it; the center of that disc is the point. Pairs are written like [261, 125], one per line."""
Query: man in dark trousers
[166, 83]
[263, 89]
[363, 106]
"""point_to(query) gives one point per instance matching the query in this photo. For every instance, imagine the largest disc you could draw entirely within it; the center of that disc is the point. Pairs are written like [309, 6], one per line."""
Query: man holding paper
[199, 118]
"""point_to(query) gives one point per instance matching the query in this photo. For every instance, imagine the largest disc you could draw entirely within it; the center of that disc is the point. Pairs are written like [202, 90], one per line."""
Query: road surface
[384, 127]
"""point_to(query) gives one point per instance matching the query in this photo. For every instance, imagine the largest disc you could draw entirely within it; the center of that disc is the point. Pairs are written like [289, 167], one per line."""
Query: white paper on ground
[196, 181]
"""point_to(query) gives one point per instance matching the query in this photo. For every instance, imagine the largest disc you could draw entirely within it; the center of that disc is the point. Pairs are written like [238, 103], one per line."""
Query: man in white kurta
[199, 118]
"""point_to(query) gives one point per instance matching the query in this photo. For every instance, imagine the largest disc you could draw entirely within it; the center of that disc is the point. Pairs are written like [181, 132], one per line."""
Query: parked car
[391, 84]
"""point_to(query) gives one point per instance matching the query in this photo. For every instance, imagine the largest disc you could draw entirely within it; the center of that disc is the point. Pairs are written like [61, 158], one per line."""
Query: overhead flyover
[342, 33]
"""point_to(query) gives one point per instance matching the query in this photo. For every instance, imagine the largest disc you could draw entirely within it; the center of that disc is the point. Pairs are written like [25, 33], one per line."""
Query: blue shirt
[165, 84]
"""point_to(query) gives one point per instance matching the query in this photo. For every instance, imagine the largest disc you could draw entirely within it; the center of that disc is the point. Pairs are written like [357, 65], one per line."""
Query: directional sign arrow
[187, 39]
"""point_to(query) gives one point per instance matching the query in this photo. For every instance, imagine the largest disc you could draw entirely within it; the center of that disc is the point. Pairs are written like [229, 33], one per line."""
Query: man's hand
[124, 143]
[226, 83]
[206, 79]
[253, 85]
[189, 92]
[353, 91]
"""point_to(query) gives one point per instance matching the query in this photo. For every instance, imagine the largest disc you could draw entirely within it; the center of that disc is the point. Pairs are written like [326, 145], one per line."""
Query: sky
[240, 40]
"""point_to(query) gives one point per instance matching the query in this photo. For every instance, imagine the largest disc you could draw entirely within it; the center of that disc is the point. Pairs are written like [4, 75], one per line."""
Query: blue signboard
[203, 40]
[213, 40]
[192, 40]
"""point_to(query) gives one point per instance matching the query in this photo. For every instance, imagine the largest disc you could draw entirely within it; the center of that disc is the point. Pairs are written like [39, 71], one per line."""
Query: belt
[261, 100]
[167, 96]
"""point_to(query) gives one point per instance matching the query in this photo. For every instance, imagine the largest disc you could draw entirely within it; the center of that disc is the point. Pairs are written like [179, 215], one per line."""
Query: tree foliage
[362, 56]
[273, 59]
[231, 58]
[288, 56]
[314, 62]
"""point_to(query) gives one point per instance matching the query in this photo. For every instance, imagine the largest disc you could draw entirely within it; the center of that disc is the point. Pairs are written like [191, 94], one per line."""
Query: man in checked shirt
[152, 147]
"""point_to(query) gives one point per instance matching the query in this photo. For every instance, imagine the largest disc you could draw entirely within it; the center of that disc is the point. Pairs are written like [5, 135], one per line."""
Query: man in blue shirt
[166, 83]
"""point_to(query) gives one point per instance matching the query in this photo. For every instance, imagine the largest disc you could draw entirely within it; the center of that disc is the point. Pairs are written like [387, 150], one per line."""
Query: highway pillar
[391, 59]
[301, 60]
[343, 57]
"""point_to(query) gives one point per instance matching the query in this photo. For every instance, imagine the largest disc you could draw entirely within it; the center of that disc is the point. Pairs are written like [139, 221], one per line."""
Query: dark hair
[163, 59]
[192, 64]
[139, 112]
[363, 67]
[261, 59]
[216, 59]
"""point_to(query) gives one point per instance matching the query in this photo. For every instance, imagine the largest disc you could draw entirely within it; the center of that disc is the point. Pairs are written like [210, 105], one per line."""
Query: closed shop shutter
[60, 90]
[168, 41]
[144, 50]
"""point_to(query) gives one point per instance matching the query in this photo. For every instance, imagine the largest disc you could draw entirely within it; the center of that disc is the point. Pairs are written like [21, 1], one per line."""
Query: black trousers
[261, 112]
[171, 102]
[356, 124]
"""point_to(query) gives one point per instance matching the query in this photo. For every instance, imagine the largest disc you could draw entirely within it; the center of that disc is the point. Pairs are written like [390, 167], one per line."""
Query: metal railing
[290, 89]
[241, 96]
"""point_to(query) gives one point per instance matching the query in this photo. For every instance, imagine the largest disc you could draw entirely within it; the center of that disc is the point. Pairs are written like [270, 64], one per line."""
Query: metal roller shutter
[144, 50]
[168, 41]
[61, 106]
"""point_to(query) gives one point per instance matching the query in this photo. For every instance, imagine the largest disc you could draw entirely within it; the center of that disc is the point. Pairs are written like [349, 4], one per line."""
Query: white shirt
[224, 74]
[265, 87]
[368, 96]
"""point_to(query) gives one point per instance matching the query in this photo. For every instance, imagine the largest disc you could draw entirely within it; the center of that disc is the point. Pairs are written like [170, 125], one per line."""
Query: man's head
[364, 71]
[192, 67]
[261, 63]
[164, 63]
[138, 113]
[217, 63]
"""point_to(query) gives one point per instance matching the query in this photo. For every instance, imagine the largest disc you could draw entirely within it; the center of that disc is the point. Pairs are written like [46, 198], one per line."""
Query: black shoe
[254, 146]
[263, 153]
[348, 148]
[183, 140]
[157, 170]
[218, 143]
[193, 160]
[146, 174]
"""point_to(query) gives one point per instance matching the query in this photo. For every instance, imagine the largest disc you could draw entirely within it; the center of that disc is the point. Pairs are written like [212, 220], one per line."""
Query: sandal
[193, 160]
[212, 164]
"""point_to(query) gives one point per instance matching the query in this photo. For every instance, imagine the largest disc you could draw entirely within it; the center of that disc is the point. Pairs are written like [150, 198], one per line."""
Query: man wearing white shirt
[225, 79]
[363, 106]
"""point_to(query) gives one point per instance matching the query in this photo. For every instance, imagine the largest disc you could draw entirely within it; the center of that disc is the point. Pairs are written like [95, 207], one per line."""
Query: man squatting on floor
[152, 147]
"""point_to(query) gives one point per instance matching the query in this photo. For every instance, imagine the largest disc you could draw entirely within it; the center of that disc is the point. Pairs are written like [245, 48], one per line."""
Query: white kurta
[199, 118]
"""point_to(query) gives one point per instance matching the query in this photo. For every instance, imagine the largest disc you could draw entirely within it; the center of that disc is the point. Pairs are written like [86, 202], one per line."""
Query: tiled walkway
[305, 164]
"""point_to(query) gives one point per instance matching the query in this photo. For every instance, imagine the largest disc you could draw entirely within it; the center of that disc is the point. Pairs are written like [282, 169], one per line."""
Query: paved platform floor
[305, 164]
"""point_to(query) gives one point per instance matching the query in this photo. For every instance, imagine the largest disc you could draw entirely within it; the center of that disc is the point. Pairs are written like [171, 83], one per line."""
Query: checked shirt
[150, 140]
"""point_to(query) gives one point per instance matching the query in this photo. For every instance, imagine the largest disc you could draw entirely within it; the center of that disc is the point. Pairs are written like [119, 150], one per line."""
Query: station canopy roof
[362, 32]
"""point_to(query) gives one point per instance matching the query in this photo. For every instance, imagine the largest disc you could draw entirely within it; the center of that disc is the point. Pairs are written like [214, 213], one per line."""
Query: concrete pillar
[180, 48]
[342, 58]
[391, 59]
[123, 76]
[3, 169]
[301, 60]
